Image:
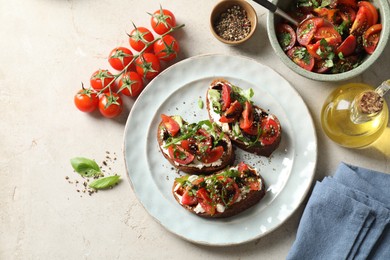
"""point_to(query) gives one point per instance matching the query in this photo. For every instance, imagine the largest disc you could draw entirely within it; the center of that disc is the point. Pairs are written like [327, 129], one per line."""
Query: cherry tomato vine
[134, 70]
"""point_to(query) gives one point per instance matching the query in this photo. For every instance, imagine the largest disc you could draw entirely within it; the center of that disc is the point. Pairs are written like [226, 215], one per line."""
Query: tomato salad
[333, 36]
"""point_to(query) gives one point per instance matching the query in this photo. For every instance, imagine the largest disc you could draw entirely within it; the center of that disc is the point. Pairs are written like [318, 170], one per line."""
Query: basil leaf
[85, 167]
[104, 183]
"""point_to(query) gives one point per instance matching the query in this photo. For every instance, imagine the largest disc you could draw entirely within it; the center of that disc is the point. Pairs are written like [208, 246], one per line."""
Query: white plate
[288, 173]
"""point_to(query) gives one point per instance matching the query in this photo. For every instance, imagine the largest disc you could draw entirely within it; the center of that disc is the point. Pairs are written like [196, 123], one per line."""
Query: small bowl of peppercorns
[233, 21]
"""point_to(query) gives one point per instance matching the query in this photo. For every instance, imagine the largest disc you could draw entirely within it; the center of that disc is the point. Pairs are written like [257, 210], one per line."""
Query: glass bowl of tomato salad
[335, 40]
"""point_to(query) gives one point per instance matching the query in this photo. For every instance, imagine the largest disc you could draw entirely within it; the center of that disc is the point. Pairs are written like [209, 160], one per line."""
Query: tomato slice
[246, 119]
[328, 14]
[351, 3]
[226, 99]
[231, 185]
[301, 57]
[180, 155]
[373, 12]
[205, 201]
[189, 145]
[362, 21]
[327, 32]
[242, 167]
[188, 199]
[307, 29]
[371, 38]
[212, 155]
[170, 124]
[286, 36]
[254, 185]
[232, 114]
[322, 49]
[270, 131]
[347, 47]
[347, 14]
[320, 66]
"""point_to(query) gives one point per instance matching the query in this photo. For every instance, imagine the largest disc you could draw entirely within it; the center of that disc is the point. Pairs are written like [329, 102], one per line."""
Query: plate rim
[312, 128]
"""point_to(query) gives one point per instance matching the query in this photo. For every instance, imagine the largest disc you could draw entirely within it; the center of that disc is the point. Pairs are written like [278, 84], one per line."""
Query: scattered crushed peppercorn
[233, 24]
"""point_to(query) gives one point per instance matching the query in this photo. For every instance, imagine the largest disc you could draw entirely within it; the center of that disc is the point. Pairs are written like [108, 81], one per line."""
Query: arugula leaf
[104, 183]
[85, 167]
[242, 95]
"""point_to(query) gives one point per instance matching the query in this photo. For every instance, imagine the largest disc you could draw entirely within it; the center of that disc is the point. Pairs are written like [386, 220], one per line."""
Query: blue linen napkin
[347, 217]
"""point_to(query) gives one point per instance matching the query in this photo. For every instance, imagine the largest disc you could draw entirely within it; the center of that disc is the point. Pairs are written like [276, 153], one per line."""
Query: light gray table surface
[47, 49]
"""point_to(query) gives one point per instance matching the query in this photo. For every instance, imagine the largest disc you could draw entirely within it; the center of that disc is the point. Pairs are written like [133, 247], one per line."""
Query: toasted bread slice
[198, 148]
[222, 194]
[249, 127]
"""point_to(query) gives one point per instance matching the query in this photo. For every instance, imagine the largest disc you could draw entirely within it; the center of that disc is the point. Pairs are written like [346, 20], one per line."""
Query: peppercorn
[233, 24]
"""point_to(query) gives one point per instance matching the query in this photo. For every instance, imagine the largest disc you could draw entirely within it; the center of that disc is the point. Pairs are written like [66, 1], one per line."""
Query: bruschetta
[222, 194]
[196, 148]
[249, 127]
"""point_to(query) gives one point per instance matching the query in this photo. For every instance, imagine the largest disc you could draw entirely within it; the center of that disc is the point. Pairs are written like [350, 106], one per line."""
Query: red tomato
[373, 17]
[120, 57]
[213, 155]
[139, 37]
[347, 47]
[189, 145]
[301, 57]
[205, 201]
[307, 29]
[246, 119]
[347, 13]
[188, 199]
[130, 84]
[327, 32]
[254, 185]
[226, 96]
[170, 124]
[232, 114]
[232, 187]
[362, 21]
[166, 48]
[270, 130]
[162, 21]
[371, 38]
[242, 167]
[101, 79]
[322, 48]
[286, 36]
[110, 105]
[148, 65]
[86, 100]
[178, 154]
[351, 3]
[320, 66]
[328, 14]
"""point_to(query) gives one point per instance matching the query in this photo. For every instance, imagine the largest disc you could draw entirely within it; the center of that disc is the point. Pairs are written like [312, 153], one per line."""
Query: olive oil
[343, 126]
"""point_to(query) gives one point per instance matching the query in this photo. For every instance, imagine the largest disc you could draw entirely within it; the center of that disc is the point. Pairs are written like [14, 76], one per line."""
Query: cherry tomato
[139, 37]
[307, 29]
[321, 66]
[373, 12]
[327, 32]
[301, 57]
[322, 49]
[100, 79]
[226, 96]
[120, 57]
[254, 185]
[86, 100]
[347, 47]
[328, 14]
[110, 105]
[166, 48]
[351, 3]
[205, 201]
[162, 21]
[246, 119]
[178, 154]
[130, 84]
[148, 65]
[362, 21]
[286, 36]
[270, 131]
[213, 155]
[371, 38]
[170, 124]
[232, 114]
[242, 167]
[188, 199]
[190, 145]
[347, 13]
